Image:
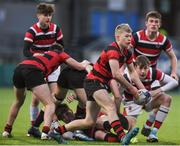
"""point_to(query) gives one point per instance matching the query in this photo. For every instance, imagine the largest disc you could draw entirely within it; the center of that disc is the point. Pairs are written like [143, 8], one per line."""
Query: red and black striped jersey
[151, 49]
[152, 75]
[101, 69]
[46, 62]
[40, 40]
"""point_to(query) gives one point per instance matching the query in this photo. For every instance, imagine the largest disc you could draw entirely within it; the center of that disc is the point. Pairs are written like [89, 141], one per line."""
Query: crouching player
[160, 100]
[30, 74]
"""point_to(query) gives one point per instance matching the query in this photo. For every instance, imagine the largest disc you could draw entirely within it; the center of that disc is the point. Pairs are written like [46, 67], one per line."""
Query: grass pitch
[169, 134]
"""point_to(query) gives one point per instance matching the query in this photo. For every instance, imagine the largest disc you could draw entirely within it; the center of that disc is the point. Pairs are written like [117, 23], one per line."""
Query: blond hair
[124, 27]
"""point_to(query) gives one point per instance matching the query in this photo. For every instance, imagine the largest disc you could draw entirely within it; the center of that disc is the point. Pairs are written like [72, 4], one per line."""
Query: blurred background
[88, 27]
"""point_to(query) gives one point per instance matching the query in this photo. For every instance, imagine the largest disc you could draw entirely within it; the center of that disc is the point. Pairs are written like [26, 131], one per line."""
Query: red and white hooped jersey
[41, 41]
[151, 49]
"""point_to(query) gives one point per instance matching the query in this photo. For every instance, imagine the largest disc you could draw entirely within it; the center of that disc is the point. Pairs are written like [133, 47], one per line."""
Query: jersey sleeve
[112, 53]
[59, 36]
[64, 56]
[167, 45]
[134, 39]
[28, 42]
[159, 75]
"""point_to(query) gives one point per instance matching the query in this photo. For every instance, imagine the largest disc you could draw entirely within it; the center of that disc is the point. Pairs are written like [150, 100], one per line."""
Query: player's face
[142, 72]
[124, 39]
[153, 24]
[44, 20]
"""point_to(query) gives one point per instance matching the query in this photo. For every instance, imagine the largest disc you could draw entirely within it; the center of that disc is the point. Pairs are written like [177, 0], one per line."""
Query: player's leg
[14, 110]
[151, 115]
[102, 135]
[81, 107]
[105, 101]
[34, 110]
[162, 101]
[42, 92]
[92, 110]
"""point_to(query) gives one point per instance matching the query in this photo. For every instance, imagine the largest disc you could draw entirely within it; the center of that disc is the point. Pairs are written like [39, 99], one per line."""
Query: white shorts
[53, 77]
[132, 109]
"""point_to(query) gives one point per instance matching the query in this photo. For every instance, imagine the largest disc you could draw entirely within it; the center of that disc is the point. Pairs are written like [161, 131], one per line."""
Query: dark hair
[46, 9]
[154, 14]
[142, 61]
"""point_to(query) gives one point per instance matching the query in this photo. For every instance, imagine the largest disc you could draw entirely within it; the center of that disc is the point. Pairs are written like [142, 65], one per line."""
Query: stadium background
[88, 26]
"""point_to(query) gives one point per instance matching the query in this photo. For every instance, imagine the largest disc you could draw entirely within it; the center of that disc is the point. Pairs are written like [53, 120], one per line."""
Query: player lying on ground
[68, 79]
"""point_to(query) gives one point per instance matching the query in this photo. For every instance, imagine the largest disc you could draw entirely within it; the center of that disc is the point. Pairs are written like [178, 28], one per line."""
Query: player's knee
[89, 123]
[111, 109]
[19, 102]
[167, 99]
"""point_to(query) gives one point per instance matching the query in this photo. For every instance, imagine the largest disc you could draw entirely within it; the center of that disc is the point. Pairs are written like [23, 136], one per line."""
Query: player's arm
[114, 65]
[168, 83]
[26, 49]
[134, 76]
[116, 93]
[28, 43]
[77, 65]
[173, 60]
[59, 38]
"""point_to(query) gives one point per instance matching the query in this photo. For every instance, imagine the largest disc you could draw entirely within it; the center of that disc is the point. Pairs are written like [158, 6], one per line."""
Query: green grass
[169, 134]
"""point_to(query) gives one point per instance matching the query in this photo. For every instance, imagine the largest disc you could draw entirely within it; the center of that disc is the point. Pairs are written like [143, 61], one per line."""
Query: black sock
[39, 119]
[106, 126]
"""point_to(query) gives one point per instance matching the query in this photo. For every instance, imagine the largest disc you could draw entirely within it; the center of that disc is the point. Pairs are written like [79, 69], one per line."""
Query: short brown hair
[44, 8]
[122, 27]
[154, 14]
[142, 61]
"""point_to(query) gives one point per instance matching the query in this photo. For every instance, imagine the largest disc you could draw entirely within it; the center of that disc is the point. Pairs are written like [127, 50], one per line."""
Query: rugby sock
[45, 129]
[8, 128]
[161, 116]
[111, 138]
[39, 119]
[117, 127]
[33, 113]
[150, 120]
[61, 129]
[80, 113]
[106, 126]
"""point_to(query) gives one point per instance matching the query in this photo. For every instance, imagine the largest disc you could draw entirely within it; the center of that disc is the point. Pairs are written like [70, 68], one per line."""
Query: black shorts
[91, 86]
[70, 78]
[27, 77]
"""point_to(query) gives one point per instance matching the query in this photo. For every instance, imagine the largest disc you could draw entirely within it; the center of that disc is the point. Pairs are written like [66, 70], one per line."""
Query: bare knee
[89, 123]
[111, 108]
[167, 99]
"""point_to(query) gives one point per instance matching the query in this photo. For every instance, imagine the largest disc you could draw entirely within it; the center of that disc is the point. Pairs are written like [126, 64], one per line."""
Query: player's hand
[175, 76]
[134, 91]
[144, 97]
[70, 98]
[156, 92]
